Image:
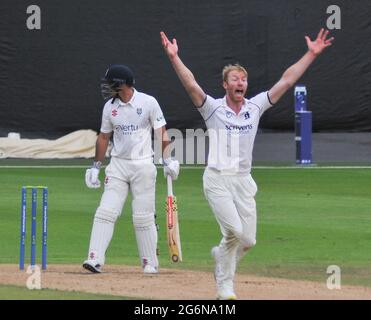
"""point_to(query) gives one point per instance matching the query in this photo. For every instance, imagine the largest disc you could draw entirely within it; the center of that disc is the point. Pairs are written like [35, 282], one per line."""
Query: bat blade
[172, 223]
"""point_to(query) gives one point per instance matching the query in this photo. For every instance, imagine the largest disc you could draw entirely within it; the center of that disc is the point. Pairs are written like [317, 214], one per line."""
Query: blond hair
[233, 67]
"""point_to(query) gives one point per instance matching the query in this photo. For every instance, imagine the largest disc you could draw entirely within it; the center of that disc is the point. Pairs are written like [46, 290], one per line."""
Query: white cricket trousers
[138, 176]
[231, 198]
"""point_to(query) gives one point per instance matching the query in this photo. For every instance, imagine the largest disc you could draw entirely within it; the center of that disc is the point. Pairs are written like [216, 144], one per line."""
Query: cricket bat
[172, 224]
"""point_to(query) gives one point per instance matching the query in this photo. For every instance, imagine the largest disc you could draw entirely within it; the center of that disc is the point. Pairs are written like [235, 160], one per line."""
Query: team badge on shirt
[228, 114]
[139, 111]
[114, 113]
[247, 115]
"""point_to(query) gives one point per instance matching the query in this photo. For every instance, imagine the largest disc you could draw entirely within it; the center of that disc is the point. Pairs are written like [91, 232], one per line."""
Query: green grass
[21, 293]
[308, 219]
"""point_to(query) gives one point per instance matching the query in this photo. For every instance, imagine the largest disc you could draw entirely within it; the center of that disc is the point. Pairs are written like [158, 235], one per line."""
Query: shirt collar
[225, 105]
[130, 102]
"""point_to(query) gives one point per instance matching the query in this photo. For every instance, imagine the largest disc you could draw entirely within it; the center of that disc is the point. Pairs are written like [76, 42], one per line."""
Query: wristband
[97, 164]
[167, 161]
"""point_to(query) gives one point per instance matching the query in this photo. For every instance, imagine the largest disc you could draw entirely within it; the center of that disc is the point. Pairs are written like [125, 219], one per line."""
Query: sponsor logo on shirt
[160, 118]
[127, 129]
[239, 129]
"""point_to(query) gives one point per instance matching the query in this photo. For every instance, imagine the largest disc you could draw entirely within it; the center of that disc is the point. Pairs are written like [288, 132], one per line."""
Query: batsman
[130, 116]
[232, 124]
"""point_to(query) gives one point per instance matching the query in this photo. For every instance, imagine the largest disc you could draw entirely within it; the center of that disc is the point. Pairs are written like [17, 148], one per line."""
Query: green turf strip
[307, 220]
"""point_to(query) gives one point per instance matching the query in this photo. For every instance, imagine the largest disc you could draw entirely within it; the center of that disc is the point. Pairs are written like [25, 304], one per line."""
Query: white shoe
[92, 266]
[226, 294]
[148, 269]
[217, 270]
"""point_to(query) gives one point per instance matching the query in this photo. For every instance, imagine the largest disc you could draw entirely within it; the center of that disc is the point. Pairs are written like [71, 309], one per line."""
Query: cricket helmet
[116, 76]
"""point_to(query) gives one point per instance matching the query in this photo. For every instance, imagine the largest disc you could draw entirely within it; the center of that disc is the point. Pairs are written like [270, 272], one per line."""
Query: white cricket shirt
[231, 135]
[132, 125]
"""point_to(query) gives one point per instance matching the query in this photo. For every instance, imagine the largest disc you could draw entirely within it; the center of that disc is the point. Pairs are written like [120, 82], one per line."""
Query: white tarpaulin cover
[78, 144]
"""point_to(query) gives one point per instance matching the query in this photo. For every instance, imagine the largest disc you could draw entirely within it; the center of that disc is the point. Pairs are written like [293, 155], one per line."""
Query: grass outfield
[22, 293]
[308, 219]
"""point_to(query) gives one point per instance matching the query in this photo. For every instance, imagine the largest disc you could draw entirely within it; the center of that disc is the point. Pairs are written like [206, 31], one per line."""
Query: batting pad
[101, 236]
[145, 231]
[107, 214]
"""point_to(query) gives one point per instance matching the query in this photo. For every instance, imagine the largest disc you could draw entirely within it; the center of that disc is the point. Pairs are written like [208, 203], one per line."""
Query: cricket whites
[172, 224]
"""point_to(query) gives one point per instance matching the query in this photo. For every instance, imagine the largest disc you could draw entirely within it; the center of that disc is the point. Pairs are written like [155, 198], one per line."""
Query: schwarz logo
[139, 111]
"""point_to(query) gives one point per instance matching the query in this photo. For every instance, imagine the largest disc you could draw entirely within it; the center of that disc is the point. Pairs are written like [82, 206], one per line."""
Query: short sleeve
[106, 126]
[262, 101]
[157, 118]
[208, 108]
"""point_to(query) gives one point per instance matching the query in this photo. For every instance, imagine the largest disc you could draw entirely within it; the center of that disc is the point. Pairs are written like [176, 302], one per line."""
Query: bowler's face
[236, 85]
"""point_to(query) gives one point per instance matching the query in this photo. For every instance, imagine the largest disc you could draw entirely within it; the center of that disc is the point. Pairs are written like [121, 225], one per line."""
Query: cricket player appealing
[130, 116]
[232, 124]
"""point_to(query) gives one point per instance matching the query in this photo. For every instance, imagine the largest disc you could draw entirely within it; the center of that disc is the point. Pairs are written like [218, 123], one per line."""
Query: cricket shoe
[148, 269]
[226, 294]
[218, 265]
[92, 266]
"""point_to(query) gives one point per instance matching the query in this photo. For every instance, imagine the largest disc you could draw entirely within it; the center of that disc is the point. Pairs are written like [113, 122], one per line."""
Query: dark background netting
[49, 79]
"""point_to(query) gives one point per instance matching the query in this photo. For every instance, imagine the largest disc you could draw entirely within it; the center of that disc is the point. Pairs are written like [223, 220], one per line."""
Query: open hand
[171, 48]
[321, 43]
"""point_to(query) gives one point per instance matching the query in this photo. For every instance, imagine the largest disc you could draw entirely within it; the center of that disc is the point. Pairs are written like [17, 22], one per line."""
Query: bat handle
[169, 186]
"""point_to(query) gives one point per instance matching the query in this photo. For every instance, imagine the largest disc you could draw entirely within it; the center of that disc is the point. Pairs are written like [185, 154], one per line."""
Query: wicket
[34, 192]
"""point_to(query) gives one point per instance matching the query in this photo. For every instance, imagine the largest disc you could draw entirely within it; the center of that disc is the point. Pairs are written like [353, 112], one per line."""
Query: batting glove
[92, 176]
[171, 168]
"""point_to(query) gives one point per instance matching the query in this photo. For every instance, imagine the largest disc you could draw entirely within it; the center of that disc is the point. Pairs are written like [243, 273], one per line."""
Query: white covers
[78, 144]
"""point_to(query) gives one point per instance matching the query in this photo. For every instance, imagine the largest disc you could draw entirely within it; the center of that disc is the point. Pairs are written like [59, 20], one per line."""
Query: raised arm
[294, 73]
[194, 91]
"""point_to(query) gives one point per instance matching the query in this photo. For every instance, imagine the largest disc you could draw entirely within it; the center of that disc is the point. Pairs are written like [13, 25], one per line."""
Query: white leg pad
[145, 231]
[101, 234]
[106, 214]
